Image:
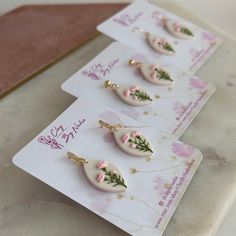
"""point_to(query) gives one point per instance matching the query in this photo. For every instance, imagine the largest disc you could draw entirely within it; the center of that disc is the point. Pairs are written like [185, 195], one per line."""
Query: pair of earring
[104, 175]
[162, 45]
[134, 95]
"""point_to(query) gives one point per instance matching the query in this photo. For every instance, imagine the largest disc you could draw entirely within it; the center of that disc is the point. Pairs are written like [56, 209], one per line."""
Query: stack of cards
[131, 87]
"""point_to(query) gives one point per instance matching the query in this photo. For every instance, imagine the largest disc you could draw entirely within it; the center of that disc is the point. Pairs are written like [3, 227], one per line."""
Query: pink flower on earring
[134, 88]
[160, 42]
[101, 164]
[135, 134]
[100, 177]
[163, 41]
[177, 27]
[127, 92]
[125, 138]
[154, 75]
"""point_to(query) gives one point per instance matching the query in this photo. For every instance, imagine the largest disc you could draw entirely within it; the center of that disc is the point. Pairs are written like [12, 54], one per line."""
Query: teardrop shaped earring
[103, 175]
[160, 45]
[154, 74]
[134, 95]
[175, 28]
[129, 140]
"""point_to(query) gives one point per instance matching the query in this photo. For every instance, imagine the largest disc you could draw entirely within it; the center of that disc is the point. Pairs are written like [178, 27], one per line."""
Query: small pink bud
[100, 177]
[132, 145]
[135, 134]
[127, 92]
[125, 138]
[134, 88]
[163, 41]
[177, 27]
[101, 164]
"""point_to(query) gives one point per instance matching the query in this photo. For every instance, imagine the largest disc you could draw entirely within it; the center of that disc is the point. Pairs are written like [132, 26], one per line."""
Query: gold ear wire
[109, 84]
[112, 128]
[78, 160]
[134, 63]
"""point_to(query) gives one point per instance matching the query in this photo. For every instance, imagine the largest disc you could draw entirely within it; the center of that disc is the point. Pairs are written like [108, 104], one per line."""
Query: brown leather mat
[34, 36]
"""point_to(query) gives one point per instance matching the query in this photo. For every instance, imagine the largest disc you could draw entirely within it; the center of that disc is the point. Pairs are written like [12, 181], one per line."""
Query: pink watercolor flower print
[208, 36]
[108, 137]
[110, 116]
[197, 83]
[159, 19]
[101, 204]
[160, 185]
[179, 108]
[182, 150]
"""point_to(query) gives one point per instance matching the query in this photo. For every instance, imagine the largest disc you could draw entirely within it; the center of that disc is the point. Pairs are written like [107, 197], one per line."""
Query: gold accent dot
[119, 196]
[133, 170]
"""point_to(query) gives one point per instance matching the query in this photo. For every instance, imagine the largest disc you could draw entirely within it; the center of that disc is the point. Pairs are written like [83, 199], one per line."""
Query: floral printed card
[173, 106]
[155, 184]
[190, 54]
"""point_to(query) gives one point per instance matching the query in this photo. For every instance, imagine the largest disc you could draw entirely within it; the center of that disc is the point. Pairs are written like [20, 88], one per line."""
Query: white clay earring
[129, 140]
[177, 29]
[134, 95]
[103, 175]
[154, 74]
[160, 45]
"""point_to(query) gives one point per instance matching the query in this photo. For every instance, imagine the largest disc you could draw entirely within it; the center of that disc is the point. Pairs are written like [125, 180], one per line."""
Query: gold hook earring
[103, 175]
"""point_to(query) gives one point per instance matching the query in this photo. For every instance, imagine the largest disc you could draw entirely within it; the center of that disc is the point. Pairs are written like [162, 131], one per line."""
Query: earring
[153, 73]
[103, 175]
[129, 140]
[175, 28]
[133, 96]
[160, 45]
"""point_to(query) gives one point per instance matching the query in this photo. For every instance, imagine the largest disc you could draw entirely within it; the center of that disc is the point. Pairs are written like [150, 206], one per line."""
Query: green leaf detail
[186, 31]
[163, 75]
[141, 144]
[142, 96]
[113, 178]
[168, 47]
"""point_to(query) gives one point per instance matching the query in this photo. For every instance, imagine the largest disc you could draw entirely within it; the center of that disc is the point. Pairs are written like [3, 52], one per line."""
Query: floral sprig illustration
[164, 44]
[186, 31]
[142, 96]
[168, 47]
[162, 74]
[182, 29]
[110, 177]
[137, 94]
[137, 142]
[133, 170]
[113, 178]
[140, 144]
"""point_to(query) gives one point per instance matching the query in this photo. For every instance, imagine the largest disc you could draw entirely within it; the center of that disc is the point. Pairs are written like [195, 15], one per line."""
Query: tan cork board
[34, 36]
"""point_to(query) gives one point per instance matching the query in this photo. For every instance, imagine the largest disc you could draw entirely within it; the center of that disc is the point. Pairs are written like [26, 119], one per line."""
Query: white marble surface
[29, 207]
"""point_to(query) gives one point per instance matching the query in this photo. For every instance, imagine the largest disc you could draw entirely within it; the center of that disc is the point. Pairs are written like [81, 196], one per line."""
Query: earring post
[78, 160]
[112, 128]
